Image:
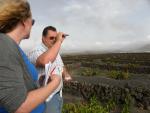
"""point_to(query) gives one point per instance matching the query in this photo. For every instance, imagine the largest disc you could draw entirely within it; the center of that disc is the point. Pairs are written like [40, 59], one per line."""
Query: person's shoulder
[58, 56]
[33, 50]
[36, 48]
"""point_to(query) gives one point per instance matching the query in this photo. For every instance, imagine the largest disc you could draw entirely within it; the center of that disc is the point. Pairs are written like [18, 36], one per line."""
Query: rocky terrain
[136, 87]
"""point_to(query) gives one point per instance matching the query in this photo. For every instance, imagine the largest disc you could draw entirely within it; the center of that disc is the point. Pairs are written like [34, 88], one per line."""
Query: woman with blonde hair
[19, 93]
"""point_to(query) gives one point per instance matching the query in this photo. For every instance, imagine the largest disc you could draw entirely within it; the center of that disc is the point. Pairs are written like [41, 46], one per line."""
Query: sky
[93, 25]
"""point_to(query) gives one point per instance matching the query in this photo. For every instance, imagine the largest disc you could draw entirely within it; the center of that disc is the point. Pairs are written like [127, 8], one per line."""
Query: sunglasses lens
[52, 38]
[33, 21]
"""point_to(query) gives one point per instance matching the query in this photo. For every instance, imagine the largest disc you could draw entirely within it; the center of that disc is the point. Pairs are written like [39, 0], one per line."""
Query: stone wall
[105, 89]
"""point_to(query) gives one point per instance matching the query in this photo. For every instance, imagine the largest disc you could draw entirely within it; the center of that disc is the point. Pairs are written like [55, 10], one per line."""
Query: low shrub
[119, 74]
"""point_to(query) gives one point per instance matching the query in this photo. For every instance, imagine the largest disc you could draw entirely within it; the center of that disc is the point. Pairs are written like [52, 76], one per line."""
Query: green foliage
[87, 72]
[90, 72]
[93, 106]
[130, 65]
[111, 105]
[119, 74]
[127, 104]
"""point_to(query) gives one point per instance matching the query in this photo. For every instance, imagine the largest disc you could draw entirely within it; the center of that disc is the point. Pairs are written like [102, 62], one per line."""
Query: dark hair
[46, 29]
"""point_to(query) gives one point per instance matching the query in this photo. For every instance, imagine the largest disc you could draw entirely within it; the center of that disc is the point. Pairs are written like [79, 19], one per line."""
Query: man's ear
[43, 39]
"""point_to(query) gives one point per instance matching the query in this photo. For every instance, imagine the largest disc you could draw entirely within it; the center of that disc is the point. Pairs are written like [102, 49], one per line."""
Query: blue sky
[93, 25]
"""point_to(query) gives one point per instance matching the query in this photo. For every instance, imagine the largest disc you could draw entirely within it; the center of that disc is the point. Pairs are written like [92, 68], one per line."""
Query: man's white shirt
[50, 68]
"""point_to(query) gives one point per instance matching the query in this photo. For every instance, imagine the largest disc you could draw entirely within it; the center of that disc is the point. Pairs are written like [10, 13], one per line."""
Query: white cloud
[99, 43]
[93, 23]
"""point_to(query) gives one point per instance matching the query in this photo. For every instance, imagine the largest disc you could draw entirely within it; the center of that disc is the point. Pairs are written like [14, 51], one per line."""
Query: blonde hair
[12, 12]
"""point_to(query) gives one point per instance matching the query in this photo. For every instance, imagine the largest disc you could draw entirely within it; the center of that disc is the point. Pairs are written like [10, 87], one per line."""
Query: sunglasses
[52, 38]
[33, 21]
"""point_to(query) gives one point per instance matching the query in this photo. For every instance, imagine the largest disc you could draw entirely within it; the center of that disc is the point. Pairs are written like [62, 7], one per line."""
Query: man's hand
[67, 78]
[60, 37]
[65, 74]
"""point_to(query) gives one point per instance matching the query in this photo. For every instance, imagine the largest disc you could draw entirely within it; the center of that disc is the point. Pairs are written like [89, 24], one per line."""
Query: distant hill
[145, 48]
[134, 48]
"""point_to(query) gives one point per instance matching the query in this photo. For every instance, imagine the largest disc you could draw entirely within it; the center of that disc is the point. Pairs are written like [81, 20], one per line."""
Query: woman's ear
[25, 22]
[22, 23]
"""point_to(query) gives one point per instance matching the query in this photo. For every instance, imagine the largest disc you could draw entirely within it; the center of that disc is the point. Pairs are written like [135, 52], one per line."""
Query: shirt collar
[44, 46]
